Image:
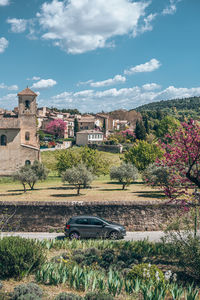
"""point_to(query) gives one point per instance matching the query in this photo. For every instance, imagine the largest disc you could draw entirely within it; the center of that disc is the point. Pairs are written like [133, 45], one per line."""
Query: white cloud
[10, 88]
[171, 8]
[78, 26]
[111, 99]
[3, 44]
[145, 26]
[4, 2]
[17, 25]
[149, 66]
[151, 86]
[34, 78]
[44, 84]
[110, 81]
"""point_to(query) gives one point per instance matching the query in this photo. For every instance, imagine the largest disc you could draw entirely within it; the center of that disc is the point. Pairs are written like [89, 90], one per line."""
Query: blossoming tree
[57, 128]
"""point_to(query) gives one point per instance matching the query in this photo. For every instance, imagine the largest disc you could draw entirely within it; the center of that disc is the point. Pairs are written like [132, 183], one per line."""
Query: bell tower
[28, 117]
[27, 103]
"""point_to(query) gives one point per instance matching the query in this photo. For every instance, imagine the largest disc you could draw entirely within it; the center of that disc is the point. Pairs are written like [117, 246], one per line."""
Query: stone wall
[47, 216]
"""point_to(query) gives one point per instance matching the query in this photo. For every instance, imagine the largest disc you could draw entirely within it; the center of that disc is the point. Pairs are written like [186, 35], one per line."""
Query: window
[27, 104]
[27, 162]
[27, 136]
[3, 140]
[96, 222]
[82, 221]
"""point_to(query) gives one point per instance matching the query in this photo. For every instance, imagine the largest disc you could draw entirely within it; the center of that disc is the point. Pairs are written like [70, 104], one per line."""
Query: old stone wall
[45, 216]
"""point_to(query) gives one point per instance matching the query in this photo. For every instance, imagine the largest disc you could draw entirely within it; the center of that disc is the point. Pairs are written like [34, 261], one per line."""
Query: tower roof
[27, 92]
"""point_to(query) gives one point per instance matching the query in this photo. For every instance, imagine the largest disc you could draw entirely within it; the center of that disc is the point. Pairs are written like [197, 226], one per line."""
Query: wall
[45, 216]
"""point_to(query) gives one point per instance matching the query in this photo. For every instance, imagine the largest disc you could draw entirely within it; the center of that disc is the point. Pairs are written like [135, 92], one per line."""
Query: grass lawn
[53, 189]
[102, 189]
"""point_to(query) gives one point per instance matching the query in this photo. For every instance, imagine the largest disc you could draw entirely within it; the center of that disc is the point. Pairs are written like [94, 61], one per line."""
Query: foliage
[142, 154]
[182, 155]
[30, 174]
[187, 251]
[140, 131]
[159, 176]
[146, 272]
[76, 126]
[67, 296]
[28, 291]
[125, 174]
[79, 176]
[56, 127]
[168, 125]
[19, 256]
[91, 158]
[98, 296]
[190, 104]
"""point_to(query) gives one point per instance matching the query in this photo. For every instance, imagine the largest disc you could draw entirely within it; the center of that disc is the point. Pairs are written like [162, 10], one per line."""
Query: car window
[82, 221]
[95, 222]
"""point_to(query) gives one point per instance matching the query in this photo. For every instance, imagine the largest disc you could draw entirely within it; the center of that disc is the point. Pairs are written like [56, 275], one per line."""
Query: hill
[179, 108]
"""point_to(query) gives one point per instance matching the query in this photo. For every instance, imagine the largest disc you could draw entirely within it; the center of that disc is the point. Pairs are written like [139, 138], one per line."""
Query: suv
[93, 227]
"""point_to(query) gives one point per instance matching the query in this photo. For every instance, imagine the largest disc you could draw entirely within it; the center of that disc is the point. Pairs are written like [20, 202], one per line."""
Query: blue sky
[99, 55]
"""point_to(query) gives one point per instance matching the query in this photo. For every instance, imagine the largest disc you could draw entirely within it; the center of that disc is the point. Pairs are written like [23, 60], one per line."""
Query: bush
[98, 296]
[186, 249]
[68, 296]
[146, 272]
[30, 291]
[19, 256]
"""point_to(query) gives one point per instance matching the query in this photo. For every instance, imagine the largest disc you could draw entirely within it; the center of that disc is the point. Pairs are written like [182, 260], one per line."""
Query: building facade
[19, 143]
[87, 137]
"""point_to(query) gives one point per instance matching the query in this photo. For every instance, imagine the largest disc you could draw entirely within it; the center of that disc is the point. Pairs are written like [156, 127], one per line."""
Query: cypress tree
[140, 132]
[76, 126]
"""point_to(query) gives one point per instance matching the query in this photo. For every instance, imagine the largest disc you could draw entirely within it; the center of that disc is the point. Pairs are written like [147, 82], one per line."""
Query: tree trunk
[24, 185]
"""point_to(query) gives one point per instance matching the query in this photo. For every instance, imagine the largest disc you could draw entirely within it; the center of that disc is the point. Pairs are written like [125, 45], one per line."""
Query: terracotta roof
[27, 92]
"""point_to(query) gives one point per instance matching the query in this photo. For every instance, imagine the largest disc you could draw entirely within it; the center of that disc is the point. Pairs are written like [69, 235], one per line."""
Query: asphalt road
[152, 236]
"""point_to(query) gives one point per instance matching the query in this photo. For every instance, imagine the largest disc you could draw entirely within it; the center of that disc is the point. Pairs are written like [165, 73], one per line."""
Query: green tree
[140, 132]
[91, 158]
[142, 154]
[125, 174]
[30, 174]
[67, 159]
[146, 125]
[78, 176]
[76, 126]
[168, 125]
[104, 126]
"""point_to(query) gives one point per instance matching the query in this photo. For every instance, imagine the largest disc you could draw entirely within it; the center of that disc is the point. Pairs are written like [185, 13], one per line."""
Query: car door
[97, 227]
[82, 225]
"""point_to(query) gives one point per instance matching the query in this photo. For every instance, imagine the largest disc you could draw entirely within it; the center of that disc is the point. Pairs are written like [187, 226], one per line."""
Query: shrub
[98, 296]
[68, 296]
[19, 256]
[186, 249]
[30, 291]
[146, 272]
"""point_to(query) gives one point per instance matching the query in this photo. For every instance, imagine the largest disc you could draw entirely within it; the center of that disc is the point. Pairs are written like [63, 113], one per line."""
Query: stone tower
[19, 144]
[27, 114]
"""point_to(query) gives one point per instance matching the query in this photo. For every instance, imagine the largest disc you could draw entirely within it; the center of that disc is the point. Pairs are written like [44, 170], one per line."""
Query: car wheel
[74, 236]
[114, 235]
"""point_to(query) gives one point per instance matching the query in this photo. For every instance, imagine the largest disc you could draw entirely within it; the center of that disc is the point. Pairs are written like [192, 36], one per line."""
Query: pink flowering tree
[128, 134]
[57, 128]
[181, 165]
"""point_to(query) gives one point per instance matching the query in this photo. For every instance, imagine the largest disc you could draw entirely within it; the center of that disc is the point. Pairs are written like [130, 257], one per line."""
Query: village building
[86, 137]
[19, 144]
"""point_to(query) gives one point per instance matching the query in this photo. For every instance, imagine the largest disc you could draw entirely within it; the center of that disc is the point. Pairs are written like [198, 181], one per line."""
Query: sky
[99, 55]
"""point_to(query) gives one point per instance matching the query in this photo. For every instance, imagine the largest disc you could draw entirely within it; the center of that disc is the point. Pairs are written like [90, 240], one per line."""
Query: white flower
[168, 275]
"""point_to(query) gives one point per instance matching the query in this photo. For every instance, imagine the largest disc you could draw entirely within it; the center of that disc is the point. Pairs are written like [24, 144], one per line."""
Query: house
[19, 143]
[86, 137]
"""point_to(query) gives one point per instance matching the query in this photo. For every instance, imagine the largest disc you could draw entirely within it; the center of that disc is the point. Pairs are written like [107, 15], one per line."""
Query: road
[152, 236]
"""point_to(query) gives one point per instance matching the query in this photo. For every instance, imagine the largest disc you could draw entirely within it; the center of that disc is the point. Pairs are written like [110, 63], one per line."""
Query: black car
[93, 227]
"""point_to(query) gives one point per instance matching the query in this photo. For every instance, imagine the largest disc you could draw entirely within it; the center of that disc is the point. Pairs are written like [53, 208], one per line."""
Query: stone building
[19, 144]
[86, 137]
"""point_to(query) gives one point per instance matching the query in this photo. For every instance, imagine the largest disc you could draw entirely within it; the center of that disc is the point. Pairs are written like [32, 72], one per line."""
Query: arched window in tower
[3, 140]
[27, 135]
[27, 104]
